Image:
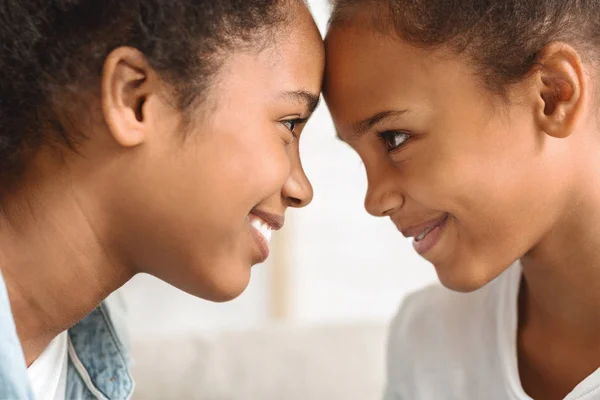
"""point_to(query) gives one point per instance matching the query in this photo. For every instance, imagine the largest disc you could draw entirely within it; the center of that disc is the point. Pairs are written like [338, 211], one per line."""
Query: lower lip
[261, 243]
[433, 237]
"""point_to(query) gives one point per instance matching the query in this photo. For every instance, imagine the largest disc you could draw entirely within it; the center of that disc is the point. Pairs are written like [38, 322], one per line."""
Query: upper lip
[418, 228]
[275, 221]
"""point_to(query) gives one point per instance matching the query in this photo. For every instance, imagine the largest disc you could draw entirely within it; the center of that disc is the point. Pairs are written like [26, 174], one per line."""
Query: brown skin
[518, 178]
[145, 196]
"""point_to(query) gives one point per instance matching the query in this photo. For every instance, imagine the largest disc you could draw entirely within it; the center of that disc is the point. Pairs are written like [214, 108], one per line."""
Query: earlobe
[125, 89]
[562, 87]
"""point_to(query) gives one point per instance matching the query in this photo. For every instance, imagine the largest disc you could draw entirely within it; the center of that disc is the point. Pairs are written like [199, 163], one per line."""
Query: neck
[562, 273]
[53, 260]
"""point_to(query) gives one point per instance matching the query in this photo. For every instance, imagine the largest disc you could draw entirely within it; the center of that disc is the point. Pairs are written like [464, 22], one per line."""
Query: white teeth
[267, 232]
[261, 226]
[424, 233]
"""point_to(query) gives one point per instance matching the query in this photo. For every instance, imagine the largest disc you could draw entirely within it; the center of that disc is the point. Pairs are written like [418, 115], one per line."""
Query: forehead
[292, 59]
[369, 72]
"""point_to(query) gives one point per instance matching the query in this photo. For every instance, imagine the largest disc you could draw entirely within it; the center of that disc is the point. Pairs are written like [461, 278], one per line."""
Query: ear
[126, 85]
[562, 89]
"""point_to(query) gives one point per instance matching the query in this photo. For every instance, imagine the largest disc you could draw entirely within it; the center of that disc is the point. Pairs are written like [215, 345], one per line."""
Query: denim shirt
[98, 366]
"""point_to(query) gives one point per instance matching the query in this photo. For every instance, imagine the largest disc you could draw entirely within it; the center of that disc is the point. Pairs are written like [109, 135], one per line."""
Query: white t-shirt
[446, 345]
[48, 373]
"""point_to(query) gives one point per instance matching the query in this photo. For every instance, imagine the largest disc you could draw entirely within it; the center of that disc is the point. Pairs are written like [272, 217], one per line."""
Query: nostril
[295, 202]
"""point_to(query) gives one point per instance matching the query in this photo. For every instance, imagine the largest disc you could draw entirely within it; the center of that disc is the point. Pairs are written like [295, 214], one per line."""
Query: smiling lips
[426, 234]
[262, 225]
[427, 230]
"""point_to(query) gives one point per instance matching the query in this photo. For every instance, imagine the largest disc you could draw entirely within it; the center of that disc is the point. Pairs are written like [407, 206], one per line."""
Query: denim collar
[98, 361]
[99, 356]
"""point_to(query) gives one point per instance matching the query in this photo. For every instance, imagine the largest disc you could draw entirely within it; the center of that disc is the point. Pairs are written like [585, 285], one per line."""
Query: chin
[228, 294]
[218, 282]
[465, 277]
[227, 285]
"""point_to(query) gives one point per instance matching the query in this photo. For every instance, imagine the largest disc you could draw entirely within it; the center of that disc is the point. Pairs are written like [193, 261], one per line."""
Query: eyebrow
[308, 99]
[362, 127]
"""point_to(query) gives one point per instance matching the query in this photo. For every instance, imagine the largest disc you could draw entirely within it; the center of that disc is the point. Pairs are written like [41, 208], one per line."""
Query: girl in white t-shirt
[478, 125]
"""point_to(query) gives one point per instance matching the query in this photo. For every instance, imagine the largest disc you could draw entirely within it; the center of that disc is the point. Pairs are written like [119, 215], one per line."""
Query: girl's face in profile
[200, 208]
[465, 173]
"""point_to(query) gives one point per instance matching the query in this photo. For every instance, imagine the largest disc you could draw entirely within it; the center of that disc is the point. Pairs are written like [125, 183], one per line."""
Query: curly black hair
[501, 37]
[53, 48]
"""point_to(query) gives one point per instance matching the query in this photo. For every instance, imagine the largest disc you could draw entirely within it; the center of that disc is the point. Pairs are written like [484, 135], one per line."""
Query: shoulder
[14, 383]
[439, 336]
[436, 321]
[422, 312]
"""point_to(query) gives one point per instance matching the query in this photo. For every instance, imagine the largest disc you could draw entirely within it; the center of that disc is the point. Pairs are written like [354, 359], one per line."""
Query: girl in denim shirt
[150, 136]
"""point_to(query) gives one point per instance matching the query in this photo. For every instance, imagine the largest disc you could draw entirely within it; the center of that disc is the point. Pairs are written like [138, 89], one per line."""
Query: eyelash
[388, 139]
[294, 123]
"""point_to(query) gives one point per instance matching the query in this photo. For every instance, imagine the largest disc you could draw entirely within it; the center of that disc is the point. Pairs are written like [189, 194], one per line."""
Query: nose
[297, 190]
[384, 195]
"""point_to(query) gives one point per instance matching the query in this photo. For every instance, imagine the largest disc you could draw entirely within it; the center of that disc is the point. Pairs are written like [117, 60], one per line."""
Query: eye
[393, 140]
[290, 124]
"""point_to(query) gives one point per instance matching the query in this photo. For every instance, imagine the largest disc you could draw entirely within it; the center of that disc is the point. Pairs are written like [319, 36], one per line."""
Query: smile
[260, 225]
[427, 234]
[427, 230]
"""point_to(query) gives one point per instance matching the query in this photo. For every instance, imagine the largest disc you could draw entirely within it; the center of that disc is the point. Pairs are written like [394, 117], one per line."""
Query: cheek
[243, 170]
[483, 179]
[271, 167]
[257, 175]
